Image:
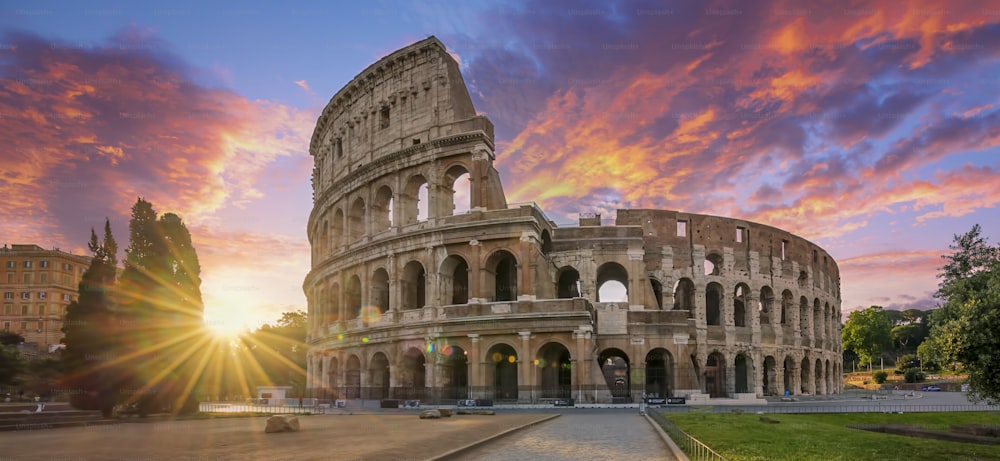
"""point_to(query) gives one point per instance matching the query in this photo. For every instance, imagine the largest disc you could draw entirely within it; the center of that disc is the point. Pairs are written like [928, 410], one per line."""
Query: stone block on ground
[430, 414]
[445, 412]
[282, 423]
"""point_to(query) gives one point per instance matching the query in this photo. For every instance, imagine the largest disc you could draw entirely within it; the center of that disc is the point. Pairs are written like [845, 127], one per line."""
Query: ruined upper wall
[716, 233]
[412, 96]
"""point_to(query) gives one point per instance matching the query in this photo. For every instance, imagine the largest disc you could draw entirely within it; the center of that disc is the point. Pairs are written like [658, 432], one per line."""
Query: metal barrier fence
[242, 407]
[692, 447]
[855, 408]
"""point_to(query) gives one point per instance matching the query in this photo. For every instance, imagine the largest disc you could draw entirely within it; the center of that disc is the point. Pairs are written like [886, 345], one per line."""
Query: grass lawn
[826, 436]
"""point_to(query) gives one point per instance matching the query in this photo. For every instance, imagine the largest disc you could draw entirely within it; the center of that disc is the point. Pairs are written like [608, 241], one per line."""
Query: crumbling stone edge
[453, 453]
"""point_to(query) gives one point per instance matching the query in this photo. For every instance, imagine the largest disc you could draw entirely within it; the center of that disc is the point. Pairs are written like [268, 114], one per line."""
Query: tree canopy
[964, 329]
[867, 333]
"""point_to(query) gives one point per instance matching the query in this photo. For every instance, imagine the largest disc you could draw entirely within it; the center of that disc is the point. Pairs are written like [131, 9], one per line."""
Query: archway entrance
[352, 378]
[454, 373]
[715, 375]
[743, 378]
[789, 381]
[659, 364]
[502, 372]
[412, 376]
[378, 384]
[770, 376]
[615, 367]
[555, 372]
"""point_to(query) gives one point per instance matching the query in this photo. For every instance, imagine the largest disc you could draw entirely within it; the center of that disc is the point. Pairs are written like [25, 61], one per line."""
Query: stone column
[475, 273]
[779, 377]
[796, 379]
[525, 276]
[525, 367]
[476, 371]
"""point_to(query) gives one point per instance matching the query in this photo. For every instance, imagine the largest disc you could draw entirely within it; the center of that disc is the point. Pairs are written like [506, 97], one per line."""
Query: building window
[10, 264]
[42, 295]
[8, 309]
[8, 295]
[682, 228]
[739, 233]
[384, 118]
[26, 277]
[25, 295]
[65, 279]
[43, 277]
[6, 326]
[41, 309]
[340, 148]
[784, 249]
[65, 297]
[45, 264]
[24, 326]
[25, 309]
[27, 264]
[10, 277]
[67, 267]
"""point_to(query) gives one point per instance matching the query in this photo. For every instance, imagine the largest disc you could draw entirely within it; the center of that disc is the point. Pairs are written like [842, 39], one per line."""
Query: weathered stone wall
[498, 302]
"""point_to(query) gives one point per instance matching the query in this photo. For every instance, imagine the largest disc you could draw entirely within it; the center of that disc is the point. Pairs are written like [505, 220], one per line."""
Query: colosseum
[427, 284]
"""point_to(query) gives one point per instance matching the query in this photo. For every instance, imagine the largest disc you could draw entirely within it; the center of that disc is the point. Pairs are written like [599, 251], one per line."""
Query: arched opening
[333, 311]
[659, 382]
[413, 202]
[713, 303]
[454, 372]
[615, 367]
[454, 276]
[337, 229]
[380, 290]
[382, 210]
[817, 321]
[378, 377]
[546, 242]
[818, 377]
[414, 286]
[460, 189]
[684, 296]
[743, 377]
[569, 283]
[353, 296]
[789, 376]
[803, 280]
[713, 264]
[765, 304]
[501, 373]
[412, 375]
[324, 240]
[356, 220]
[332, 377]
[657, 292]
[770, 376]
[715, 375]
[503, 268]
[612, 283]
[804, 318]
[804, 376]
[829, 378]
[786, 306]
[740, 317]
[555, 373]
[352, 376]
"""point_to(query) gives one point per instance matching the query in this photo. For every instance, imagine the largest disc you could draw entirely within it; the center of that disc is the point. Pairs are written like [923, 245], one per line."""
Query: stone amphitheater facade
[409, 299]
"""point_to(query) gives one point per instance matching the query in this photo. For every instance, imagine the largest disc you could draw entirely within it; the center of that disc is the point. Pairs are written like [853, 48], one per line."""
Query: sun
[224, 326]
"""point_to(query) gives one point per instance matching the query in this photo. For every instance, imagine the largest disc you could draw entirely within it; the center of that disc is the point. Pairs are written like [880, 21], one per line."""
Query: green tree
[9, 338]
[162, 312]
[281, 351]
[964, 329]
[12, 364]
[867, 333]
[88, 331]
[908, 336]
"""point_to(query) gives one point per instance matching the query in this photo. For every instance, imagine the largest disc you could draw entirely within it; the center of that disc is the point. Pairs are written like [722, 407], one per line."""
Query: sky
[869, 128]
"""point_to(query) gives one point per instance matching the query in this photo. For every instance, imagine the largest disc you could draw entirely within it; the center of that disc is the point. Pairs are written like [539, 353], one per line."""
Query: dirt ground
[331, 437]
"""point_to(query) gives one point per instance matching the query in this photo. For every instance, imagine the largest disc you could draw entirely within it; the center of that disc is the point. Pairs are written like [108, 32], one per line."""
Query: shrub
[914, 375]
[880, 377]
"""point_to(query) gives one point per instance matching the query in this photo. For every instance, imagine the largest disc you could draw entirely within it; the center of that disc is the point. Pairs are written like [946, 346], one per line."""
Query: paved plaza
[335, 437]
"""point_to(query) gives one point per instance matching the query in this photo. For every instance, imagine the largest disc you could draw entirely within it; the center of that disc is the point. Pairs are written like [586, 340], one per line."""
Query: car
[931, 388]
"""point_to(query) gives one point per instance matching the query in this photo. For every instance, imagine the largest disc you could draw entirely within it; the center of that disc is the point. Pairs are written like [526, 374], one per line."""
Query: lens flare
[370, 314]
[511, 359]
[447, 350]
[497, 357]
[364, 340]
